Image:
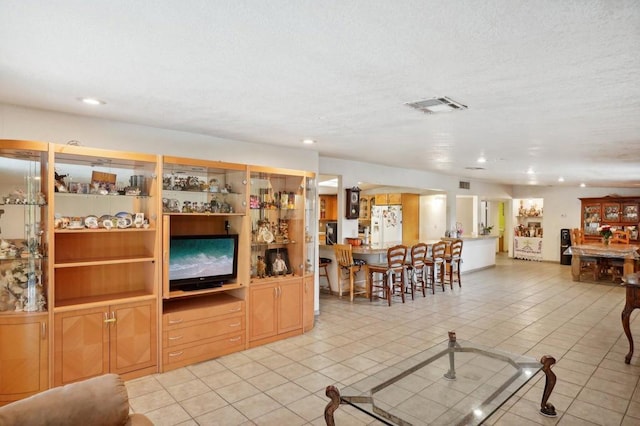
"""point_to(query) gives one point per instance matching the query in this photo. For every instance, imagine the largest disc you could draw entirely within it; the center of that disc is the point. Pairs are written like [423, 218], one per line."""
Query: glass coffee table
[453, 383]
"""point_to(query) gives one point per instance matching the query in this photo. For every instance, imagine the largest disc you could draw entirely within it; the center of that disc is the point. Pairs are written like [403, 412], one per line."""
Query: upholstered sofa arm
[100, 401]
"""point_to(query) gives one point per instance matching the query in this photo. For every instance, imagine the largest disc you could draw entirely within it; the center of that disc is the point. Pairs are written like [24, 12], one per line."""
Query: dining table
[628, 252]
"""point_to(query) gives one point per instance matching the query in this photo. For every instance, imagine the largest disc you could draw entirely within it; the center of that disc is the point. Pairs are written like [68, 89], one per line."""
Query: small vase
[605, 241]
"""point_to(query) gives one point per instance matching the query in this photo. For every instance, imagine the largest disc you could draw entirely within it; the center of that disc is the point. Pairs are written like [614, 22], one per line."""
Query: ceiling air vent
[464, 185]
[430, 106]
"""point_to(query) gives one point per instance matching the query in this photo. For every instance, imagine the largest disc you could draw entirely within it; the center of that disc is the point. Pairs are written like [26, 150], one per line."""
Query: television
[198, 262]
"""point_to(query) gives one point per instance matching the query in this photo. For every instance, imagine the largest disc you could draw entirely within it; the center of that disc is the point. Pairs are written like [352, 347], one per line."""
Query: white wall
[433, 220]
[46, 126]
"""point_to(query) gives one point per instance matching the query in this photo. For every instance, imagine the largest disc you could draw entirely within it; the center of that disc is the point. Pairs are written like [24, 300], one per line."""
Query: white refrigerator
[386, 225]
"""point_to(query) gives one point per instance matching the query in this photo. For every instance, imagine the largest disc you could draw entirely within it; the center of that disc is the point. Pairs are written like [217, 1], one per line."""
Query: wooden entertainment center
[88, 288]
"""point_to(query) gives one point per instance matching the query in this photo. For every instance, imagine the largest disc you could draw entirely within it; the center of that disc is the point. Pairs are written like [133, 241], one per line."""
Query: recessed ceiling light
[582, 185]
[530, 171]
[92, 101]
[308, 141]
[482, 160]
[560, 179]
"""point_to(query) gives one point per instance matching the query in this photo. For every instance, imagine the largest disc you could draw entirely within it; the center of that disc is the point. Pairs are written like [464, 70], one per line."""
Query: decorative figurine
[261, 267]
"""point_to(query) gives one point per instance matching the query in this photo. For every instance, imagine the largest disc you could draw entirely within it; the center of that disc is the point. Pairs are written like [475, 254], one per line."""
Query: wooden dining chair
[436, 263]
[347, 269]
[385, 279]
[615, 267]
[588, 265]
[620, 237]
[418, 268]
[452, 262]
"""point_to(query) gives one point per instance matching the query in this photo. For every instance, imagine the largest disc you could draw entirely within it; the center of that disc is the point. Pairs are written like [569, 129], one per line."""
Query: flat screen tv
[199, 262]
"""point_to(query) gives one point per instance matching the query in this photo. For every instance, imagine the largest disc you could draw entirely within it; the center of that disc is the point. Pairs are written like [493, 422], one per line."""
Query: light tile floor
[519, 306]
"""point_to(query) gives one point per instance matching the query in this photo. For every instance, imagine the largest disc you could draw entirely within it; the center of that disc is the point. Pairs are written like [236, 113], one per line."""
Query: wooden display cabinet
[279, 233]
[119, 339]
[23, 356]
[24, 283]
[200, 198]
[618, 212]
[276, 310]
[105, 269]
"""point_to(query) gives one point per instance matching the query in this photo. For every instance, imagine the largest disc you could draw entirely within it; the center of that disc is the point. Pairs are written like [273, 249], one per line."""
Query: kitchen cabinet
[388, 199]
[329, 207]
[23, 356]
[366, 202]
[119, 339]
[617, 212]
[276, 310]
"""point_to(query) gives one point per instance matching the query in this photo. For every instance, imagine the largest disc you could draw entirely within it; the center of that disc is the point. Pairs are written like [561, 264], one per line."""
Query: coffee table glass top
[453, 383]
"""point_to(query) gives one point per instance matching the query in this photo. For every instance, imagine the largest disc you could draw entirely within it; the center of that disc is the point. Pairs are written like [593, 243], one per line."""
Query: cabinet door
[262, 318]
[81, 342]
[309, 296]
[290, 306]
[591, 218]
[133, 337]
[394, 198]
[629, 212]
[381, 199]
[611, 212]
[23, 357]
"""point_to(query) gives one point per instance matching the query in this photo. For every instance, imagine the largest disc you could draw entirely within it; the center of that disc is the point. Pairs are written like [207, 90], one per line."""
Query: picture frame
[270, 257]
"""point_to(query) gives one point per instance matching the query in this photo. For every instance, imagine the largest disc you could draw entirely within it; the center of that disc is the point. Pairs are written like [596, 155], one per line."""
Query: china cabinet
[24, 286]
[618, 212]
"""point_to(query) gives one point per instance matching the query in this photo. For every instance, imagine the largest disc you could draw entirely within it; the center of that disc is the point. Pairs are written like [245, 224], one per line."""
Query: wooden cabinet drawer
[202, 331]
[186, 355]
[174, 319]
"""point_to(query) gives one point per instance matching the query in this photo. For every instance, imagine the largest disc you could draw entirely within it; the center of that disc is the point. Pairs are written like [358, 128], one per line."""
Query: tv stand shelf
[184, 294]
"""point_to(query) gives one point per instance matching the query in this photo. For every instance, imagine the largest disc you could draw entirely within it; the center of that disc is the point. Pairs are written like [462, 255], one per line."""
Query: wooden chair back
[396, 256]
[456, 249]
[344, 254]
[418, 254]
[438, 250]
[620, 237]
[577, 236]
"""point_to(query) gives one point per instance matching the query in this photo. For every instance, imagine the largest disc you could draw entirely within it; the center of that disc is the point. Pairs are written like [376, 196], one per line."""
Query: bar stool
[323, 263]
[349, 267]
[393, 274]
[453, 260]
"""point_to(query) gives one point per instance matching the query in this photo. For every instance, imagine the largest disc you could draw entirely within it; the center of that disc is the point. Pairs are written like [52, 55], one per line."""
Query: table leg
[575, 267]
[626, 313]
[334, 394]
[546, 408]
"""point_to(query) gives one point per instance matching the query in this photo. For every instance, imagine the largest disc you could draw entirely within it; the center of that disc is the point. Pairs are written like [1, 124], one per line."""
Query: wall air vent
[433, 105]
[464, 185]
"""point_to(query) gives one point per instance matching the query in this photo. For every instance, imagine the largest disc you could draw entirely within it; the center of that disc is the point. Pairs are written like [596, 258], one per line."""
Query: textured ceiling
[552, 86]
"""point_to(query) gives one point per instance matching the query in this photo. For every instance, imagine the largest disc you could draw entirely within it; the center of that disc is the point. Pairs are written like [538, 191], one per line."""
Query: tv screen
[202, 261]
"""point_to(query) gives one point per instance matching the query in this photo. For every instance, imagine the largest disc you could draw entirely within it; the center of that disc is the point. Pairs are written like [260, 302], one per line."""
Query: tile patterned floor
[519, 306]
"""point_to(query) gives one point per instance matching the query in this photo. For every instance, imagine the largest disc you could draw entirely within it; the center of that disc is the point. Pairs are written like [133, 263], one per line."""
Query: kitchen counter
[477, 253]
